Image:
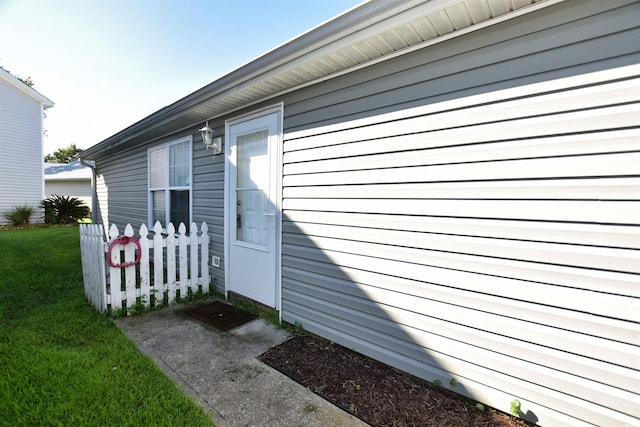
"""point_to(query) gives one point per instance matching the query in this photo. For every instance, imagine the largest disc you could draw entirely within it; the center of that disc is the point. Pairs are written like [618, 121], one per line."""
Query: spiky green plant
[19, 216]
[60, 209]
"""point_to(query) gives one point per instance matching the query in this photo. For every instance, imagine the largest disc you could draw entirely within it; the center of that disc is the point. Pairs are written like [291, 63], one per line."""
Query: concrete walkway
[220, 370]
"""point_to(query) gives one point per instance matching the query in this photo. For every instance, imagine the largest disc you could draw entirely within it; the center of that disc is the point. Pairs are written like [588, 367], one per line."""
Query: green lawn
[62, 363]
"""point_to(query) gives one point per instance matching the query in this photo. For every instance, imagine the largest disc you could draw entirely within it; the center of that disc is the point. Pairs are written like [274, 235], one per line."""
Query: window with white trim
[170, 183]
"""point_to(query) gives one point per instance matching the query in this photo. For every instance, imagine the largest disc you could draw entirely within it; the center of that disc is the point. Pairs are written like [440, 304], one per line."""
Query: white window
[170, 183]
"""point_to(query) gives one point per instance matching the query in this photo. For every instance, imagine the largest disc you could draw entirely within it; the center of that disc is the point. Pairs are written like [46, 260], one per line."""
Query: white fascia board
[440, 39]
[368, 18]
[357, 22]
[354, 32]
[362, 21]
[9, 78]
[365, 20]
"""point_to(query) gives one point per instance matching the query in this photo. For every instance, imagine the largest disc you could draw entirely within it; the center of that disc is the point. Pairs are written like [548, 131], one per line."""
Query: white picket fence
[178, 268]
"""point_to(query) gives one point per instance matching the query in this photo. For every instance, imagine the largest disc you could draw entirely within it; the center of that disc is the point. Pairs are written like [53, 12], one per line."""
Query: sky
[108, 63]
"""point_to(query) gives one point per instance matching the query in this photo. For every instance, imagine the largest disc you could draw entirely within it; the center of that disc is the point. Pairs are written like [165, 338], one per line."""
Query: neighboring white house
[21, 129]
[69, 179]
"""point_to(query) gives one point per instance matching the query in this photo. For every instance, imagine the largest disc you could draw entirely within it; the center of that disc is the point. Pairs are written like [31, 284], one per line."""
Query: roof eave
[14, 81]
[345, 30]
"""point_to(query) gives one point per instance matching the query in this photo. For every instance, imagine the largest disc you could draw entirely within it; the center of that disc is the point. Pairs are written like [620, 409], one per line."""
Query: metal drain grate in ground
[220, 315]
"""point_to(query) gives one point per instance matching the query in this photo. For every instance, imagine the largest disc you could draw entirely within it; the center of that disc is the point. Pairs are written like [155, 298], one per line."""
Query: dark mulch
[374, 392]
[219, 314]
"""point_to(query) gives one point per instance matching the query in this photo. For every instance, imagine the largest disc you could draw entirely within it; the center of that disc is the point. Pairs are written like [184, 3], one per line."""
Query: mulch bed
[375, 392]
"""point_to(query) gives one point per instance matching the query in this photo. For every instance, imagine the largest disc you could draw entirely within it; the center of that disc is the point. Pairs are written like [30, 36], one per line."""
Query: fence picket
[129, 271]
[114, 273]
[182, 242]
[158, 270]
[104, 286]
[172, 282]
[92, 251]
[204, 258]
[100, 265]
[193, 256]
[145, 289]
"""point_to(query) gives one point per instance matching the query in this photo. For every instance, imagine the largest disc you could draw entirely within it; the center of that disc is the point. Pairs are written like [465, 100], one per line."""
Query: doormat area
[219, 315]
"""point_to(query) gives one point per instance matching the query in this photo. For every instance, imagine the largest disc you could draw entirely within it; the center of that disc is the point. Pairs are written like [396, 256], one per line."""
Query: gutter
[367, 19]
[94, 195]
[319, 37]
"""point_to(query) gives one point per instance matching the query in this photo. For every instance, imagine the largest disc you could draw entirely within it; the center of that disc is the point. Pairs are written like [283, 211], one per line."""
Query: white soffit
[372, 32]
[404, 27]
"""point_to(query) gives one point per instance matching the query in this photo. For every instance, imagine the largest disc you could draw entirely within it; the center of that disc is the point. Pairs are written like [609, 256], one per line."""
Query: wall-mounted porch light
[210, 141]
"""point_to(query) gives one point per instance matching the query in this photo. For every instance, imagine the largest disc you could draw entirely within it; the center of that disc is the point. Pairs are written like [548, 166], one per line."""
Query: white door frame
[279, 110]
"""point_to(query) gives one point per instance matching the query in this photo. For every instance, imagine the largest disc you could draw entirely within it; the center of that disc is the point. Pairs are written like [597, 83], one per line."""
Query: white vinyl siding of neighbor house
[21, 176]
[477, 214]
[80, 189]
[69, 179]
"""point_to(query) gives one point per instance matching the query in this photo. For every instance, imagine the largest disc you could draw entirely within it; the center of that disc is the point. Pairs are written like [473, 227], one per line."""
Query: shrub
[19, 216]
[64, 209]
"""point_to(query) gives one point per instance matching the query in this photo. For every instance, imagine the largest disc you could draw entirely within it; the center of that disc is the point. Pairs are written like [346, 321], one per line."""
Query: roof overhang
[14, 81]
[375, 31]
[67, 172]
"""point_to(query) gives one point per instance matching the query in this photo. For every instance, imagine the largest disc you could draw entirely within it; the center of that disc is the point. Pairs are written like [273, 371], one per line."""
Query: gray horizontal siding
[124, 177]
[208, 203]
[533, 51]
[122, 190]
[473, 212]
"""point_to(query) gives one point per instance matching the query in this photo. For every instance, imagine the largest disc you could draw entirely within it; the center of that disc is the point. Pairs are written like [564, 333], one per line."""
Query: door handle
[239, 221]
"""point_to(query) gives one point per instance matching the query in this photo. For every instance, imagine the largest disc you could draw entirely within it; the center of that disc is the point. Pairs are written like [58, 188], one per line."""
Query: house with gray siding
[450, 187]
[21, 130]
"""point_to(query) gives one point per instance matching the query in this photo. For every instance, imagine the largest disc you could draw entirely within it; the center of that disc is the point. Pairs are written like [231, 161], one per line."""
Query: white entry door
[252, 218]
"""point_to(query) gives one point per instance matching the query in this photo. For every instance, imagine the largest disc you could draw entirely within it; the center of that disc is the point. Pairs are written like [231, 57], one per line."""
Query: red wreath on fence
[124, 240]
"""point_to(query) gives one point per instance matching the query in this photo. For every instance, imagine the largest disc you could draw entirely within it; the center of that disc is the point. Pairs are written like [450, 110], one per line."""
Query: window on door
[170, 183]
[252, 187]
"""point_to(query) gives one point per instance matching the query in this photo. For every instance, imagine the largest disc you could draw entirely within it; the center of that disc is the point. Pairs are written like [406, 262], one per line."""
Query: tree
[26, 81]
[63, 155]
